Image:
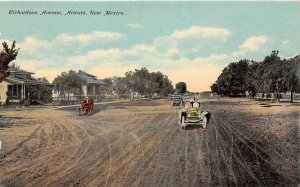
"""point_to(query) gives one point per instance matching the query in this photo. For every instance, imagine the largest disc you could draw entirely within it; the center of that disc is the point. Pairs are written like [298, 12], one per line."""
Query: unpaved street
[140, 144]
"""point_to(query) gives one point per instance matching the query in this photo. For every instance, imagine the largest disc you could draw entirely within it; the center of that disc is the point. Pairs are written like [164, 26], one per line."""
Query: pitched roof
[14, 80]
[20, 71]
[89, 78]
[20, 78]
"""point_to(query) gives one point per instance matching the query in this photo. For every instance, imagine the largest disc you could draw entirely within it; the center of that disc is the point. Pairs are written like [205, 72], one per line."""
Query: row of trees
[272, 75]
[140, 81]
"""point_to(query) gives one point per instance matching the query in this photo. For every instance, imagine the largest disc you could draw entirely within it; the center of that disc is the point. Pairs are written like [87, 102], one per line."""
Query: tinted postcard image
[149, 93]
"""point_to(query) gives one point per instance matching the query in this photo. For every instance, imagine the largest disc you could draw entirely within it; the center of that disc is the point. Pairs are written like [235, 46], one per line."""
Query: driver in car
[196, 105]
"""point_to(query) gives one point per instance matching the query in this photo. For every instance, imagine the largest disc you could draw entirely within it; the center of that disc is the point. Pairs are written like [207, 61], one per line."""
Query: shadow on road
[193, 127]
[97, 108]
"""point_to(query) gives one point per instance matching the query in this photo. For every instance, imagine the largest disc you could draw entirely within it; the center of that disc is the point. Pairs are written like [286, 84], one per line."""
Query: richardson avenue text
[68, 12]
[25, 12]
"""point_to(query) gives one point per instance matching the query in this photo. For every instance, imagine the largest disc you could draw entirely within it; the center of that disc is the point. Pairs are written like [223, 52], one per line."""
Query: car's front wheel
[179, 120]
[204, 122]
[78, 110]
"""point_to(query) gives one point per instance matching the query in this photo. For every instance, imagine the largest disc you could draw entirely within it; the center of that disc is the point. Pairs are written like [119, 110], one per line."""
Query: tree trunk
[292, 98]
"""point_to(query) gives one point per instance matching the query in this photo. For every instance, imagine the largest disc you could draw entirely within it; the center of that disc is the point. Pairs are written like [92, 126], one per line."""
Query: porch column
[22, 92]
[28, 91]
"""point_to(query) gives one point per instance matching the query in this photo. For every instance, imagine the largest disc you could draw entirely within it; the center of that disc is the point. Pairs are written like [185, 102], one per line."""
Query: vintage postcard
[138, 93]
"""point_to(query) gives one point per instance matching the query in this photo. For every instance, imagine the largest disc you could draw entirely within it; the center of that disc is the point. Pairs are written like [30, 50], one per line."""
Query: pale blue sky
[188, 41]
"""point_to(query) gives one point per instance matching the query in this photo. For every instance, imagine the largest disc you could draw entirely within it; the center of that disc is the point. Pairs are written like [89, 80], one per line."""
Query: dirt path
[141, 144]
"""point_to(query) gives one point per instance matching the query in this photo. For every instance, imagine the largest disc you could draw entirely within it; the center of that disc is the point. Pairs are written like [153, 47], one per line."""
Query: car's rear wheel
[182, 122]
[204, 122]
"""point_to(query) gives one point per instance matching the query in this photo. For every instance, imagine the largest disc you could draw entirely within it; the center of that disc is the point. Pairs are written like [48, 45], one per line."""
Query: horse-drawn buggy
[86, 106]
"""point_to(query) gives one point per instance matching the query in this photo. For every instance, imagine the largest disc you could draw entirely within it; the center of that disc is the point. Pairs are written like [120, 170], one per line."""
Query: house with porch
[91, 88]
[92, 85]
[15, 88]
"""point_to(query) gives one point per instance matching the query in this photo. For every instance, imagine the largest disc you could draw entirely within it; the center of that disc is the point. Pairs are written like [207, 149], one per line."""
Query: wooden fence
[282, 97]
[95, 97]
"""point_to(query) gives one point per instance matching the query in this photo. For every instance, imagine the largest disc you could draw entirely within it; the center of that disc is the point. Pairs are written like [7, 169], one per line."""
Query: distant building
[91, 88]
[15, 87]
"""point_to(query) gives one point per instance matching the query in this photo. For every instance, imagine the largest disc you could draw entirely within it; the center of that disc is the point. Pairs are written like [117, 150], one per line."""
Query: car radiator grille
[193, 118]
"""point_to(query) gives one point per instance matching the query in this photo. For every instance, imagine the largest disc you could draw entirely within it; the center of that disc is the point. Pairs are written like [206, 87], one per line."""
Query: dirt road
[141, 144]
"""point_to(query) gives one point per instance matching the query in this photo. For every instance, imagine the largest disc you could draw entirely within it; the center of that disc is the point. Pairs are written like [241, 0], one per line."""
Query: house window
[9, 90]
[15, 90]
[12, 90]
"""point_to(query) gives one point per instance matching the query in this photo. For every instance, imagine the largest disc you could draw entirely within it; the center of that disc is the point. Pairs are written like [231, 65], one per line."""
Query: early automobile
[192, 115]
[176, 99]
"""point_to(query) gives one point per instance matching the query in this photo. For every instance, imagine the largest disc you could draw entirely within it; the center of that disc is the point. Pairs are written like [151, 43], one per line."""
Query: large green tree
[215, 88]
[107, 87]
[291, 75]
[269, 73]
[6, 56]
[232, 80]
[181, 87]
[69, 82]
[41, 92]
[148, 83]
[120, 86]
[250, 78]
[160, 84]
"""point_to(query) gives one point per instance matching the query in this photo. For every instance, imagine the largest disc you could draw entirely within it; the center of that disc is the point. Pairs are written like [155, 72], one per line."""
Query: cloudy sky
[190, 42]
